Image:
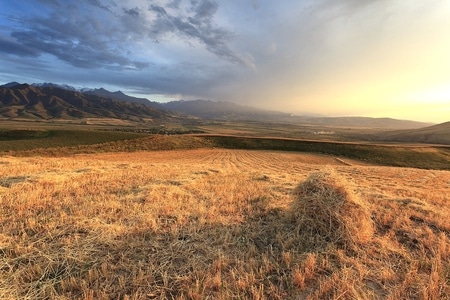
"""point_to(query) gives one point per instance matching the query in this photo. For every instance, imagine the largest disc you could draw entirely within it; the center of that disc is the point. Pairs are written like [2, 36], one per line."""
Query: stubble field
[221, 224]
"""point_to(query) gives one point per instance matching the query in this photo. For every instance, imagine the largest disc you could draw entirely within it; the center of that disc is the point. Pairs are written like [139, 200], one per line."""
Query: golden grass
[326, 211]
[221, 224]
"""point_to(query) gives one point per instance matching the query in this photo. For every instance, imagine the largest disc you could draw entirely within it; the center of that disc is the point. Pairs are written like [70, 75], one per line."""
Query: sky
[374, 58]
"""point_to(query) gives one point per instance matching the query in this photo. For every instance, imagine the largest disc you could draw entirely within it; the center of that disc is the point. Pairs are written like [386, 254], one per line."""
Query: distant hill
[32, 102]
[231, 111]
[436, 134]
[221, 110]
[366, 122]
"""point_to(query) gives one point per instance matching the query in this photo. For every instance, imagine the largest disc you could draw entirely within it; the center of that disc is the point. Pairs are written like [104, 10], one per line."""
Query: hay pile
[326, 210]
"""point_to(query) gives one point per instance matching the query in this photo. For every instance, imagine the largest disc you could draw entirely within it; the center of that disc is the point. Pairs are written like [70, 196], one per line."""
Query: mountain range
[48, 101]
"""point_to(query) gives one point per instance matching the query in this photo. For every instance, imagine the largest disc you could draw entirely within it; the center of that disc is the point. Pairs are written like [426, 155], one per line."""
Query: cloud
[11, 46]
[205, 10]
[52, 2]
[74, 36]
[102, 34]
[197, 23]
[98, 4]
[255, 4]
[133, 12]
[174, 4]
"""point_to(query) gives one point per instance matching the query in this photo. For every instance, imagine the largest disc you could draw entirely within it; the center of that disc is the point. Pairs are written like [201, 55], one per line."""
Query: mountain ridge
[102, 92]
[119, 95]
[32, 102]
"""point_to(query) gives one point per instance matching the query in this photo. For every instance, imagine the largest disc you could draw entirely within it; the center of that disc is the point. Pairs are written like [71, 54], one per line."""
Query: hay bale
[326, 210]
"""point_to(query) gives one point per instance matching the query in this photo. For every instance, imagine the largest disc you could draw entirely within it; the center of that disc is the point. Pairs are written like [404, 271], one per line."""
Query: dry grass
[326, 211]
[221, 224]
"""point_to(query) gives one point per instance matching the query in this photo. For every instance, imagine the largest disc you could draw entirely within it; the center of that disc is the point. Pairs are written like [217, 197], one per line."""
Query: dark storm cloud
[158, 9]
[95, 33]
[255, 4]
[98, 4]
[133, 12]
[198, 25]
[187, 79]
[80, 39]
[84, 55]
[174, 4]
[132, 25]
[52, 2]
[205, 9]
[12, 47]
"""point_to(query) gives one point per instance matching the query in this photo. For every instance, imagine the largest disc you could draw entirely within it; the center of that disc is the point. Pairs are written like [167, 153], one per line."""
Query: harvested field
[219, 224]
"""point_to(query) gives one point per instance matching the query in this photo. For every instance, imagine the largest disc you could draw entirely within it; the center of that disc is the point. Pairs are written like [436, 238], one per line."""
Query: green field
[23, 140]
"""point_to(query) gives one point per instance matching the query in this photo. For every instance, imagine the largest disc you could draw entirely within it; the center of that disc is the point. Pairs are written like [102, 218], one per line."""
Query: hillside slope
[30, 102]
[436, 134]
[365, 122]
